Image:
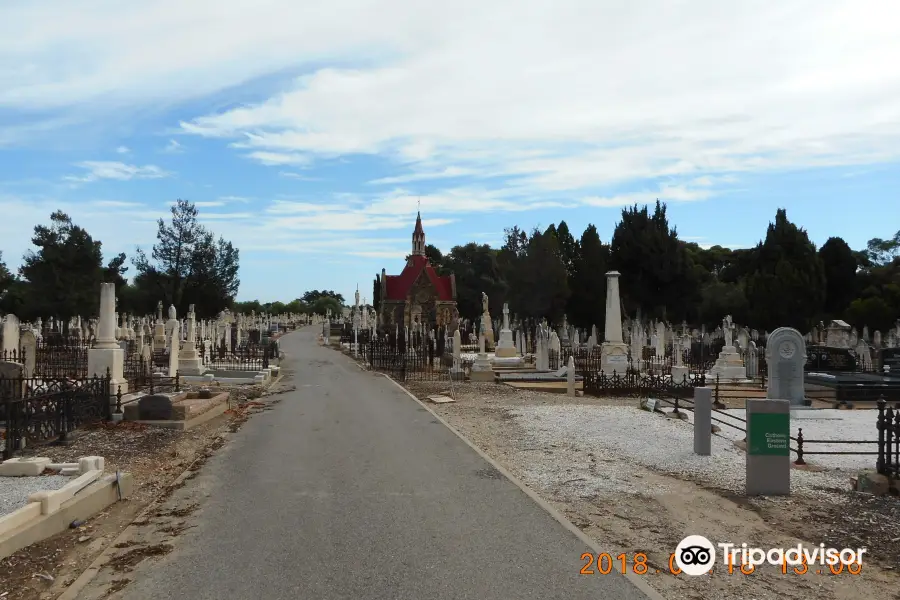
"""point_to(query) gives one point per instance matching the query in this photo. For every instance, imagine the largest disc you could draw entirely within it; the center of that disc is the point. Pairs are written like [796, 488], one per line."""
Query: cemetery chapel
[418, 294]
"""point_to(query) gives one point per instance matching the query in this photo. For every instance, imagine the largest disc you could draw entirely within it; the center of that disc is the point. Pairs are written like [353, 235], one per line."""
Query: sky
[308, 134]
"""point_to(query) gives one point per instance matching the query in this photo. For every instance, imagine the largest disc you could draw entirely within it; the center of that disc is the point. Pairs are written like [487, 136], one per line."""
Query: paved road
[349, 489]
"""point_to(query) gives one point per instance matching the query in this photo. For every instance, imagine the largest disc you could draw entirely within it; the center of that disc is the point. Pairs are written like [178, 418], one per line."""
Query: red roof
[397, 287]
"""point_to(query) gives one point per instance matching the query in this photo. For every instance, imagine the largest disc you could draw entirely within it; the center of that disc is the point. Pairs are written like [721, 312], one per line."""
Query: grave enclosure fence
[36, 410]
[424, 361]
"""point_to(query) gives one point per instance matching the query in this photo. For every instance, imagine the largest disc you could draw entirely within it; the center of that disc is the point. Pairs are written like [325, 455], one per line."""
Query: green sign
[769, 434]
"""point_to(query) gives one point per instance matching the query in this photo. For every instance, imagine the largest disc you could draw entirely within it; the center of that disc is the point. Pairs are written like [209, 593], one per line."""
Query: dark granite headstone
[890, 357]
[155, 407]
[204, 393]
[830, 360]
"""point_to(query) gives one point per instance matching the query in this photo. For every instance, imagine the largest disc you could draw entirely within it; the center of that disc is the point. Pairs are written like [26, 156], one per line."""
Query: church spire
[418, 237]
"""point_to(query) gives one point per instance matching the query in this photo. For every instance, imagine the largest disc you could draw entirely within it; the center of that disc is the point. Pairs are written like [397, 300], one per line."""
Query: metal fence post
[800, 460]
[882, 425]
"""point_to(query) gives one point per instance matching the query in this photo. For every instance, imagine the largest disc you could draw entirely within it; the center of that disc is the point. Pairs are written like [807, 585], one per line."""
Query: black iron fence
[36, 409]
[402, 362]
[245, 357]
[55, 358]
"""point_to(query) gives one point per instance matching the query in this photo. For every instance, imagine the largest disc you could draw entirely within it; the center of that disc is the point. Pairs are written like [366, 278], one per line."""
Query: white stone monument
[106, 355]
[729, 365]
[189, 360]
[506, 348]
[482, 370]
[613, 351]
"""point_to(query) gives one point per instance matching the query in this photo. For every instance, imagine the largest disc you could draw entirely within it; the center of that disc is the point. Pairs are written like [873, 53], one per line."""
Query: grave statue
[484, 303]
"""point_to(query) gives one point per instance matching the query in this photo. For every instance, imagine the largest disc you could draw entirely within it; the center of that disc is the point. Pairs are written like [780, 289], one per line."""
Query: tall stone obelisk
[613, 351]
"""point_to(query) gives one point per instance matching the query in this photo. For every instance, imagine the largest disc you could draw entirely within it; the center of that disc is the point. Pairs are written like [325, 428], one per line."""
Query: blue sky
[307, 136]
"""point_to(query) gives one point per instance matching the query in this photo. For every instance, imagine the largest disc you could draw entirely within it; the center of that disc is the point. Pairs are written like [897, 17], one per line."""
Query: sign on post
[768, 447]
[769, 434]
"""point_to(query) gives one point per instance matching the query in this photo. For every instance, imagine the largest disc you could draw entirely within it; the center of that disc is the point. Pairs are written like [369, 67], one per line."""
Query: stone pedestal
[506, 348]
[189, 361]
[613, 358]
[113, 359]
[679, 374]
[482, 369]
[729, 366]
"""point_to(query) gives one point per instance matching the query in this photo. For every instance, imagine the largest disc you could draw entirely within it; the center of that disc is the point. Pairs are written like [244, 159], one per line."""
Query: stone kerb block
[24, 467]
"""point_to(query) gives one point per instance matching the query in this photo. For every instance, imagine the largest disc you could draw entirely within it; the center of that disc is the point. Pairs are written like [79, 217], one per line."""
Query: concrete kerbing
[73, 589]
[634, 579]
[92, 499]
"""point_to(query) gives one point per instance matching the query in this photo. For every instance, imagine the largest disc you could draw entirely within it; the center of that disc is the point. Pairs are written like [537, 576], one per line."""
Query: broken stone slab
[440, 399]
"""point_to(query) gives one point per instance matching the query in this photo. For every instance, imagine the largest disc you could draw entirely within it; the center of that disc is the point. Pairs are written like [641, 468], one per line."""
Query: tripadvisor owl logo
[695, 555]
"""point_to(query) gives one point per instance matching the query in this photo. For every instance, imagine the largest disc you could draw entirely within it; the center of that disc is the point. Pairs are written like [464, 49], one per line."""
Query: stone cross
[505, 316]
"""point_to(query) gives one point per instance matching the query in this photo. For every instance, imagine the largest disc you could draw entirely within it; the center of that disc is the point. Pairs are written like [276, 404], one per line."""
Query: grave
[180, 410]
[890, 357]
[786, 356]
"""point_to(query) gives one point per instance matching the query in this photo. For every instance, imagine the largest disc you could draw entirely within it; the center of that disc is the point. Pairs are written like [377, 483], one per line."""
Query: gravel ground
[653, 441]
[14, 491]
[629, 479]
[826, 424]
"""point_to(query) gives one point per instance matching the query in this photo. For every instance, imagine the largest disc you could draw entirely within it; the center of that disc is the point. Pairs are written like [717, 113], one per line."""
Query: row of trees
[313, 301]
[782, 281]
[61, 276]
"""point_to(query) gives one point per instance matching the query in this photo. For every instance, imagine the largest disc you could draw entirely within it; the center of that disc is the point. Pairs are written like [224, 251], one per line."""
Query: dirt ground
[155, 457]
[664, 509]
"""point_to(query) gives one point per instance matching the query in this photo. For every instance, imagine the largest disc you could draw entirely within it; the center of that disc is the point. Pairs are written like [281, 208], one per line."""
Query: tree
[510, 262]
[839, 264]
[568, 248]
[65, 272]
[189, 265]
[376, 293]
[587, 304]
[323, 304]
[543, 277]
[787, 289]
[476, 270]
[657, 273]
[311, 296]
[882, 252]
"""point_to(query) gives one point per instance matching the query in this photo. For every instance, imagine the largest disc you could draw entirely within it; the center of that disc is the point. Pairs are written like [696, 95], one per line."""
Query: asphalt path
[348, 488]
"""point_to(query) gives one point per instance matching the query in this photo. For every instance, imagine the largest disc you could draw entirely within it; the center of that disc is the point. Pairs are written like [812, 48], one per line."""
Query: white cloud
[123, 150]
[575, 95]
[297, 176]
[100, 169]
[278, 158]
[173, 147]
[447, 173]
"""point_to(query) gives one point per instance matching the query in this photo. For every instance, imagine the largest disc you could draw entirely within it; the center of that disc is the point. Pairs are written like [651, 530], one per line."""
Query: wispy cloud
[278, 159]
[98, 169]
[447, 173]
[297, 176]
[694, 91]
[173, 147]
[123, 150]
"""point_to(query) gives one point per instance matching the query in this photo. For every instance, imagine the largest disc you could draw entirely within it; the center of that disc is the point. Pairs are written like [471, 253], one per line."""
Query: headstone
[890, 357]
[29, 352]
[785, 358]
[155, 407]
[768, 447]
[829, 359]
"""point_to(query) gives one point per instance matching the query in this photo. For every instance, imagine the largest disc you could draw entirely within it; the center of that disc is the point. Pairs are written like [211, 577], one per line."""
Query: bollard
[570, 377]
[702, 421]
